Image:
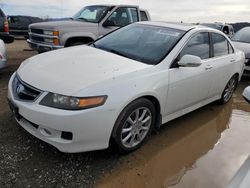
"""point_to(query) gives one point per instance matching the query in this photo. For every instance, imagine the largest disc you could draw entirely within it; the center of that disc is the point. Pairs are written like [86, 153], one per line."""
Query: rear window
[220, 45]
[143, 16]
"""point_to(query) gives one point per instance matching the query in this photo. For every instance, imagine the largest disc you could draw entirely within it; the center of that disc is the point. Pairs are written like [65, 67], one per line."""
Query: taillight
[6, 26]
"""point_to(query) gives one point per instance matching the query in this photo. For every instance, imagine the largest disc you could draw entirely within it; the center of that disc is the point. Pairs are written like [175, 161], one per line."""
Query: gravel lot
[28, 162]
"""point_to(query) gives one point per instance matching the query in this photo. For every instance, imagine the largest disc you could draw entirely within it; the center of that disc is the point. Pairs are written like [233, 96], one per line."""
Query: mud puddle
[202, 149]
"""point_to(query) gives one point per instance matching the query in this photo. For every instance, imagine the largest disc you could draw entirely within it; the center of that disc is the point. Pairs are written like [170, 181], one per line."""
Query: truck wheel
[76, 44]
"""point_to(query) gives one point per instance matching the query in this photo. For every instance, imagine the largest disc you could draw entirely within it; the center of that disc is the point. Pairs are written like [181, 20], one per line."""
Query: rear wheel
[134, 125]
[229, 90]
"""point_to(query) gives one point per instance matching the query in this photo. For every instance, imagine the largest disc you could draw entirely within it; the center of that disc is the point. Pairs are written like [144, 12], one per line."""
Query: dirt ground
[202, 149]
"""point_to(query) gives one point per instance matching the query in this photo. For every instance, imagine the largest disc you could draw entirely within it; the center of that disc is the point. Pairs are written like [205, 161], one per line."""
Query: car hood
[245, 47]
[70, 70]
[62, 24]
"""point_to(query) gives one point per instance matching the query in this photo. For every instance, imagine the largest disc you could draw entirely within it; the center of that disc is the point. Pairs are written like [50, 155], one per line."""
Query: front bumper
[91, 129]
[42, 47]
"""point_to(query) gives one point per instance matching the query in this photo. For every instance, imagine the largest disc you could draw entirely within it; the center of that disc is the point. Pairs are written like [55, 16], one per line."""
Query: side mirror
[108, 23]
[190, 61]
[246, 94]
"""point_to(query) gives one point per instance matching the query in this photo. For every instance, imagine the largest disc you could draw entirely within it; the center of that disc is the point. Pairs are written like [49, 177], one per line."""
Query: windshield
[92, 14]
[242, 35]
[145, 43]
[214, 26]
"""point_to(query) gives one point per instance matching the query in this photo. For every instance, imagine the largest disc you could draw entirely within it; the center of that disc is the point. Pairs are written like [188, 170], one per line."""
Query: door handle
[208, 67]
[232, 60]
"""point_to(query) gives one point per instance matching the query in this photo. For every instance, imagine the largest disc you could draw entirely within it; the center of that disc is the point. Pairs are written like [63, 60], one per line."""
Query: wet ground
[202, 149]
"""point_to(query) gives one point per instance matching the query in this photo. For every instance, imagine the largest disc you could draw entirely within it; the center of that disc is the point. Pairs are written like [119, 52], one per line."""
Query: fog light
[56, 42]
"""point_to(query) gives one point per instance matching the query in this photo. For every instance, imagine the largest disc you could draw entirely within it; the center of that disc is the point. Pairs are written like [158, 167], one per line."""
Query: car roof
[176, 25]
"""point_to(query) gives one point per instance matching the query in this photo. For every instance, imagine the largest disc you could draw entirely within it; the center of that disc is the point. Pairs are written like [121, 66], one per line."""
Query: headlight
[51, 33]
[72, 103]
[48, 33]
[48, 40]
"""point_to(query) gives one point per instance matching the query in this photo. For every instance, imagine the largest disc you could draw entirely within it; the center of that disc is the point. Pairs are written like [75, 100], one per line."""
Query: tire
[76, 44]
[134, 125]
[229, 90]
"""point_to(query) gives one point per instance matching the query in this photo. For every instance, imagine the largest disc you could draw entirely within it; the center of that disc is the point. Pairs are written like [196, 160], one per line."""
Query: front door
[189, 86]
[122, 16]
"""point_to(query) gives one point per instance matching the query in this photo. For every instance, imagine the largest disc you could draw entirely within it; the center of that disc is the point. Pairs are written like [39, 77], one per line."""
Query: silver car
[3, 56]
[241, 41]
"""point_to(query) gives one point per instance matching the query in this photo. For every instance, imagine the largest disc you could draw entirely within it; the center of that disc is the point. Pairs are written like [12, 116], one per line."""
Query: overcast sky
[167, 10]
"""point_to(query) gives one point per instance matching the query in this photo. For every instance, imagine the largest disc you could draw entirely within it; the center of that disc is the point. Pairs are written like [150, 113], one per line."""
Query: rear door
[221, 63]
[189, 86]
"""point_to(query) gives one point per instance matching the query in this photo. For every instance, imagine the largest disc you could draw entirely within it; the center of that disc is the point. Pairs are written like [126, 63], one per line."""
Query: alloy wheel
[136, 127]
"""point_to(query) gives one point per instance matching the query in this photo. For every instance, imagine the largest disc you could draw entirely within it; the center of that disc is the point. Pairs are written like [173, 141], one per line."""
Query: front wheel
[134, 125]
[229, 90]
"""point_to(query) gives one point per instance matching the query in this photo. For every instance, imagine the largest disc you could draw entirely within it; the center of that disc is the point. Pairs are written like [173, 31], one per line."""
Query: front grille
[23, 91]
[35, 38]
[37, 31]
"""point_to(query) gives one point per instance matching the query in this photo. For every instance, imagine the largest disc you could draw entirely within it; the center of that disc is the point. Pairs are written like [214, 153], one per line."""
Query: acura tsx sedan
[123, 85]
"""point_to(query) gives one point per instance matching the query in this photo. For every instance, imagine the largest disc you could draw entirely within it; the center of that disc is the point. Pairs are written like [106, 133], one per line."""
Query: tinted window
[242, 35]
[144, 43]
[198, 46]
[24, 19]
[143, 16]
[220, 45]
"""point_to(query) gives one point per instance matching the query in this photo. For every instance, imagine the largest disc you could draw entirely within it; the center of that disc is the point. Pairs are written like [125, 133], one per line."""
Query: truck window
[143, 16]
[123, 16]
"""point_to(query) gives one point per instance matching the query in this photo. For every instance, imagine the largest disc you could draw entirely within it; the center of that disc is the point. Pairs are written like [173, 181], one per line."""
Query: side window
[220, 44]
[134, 14]
[24, 20]
[123, 16]
[143, 16]
[198, 45]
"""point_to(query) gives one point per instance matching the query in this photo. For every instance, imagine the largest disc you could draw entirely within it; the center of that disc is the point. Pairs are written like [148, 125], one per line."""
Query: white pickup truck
[87, 25]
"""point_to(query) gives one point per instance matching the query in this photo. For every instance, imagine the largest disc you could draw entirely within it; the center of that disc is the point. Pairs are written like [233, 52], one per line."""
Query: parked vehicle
[3, 56]
[225, 28]
[19, 25]
[123, 85]
[86, 26]
[246, 94]
[241, 40]
[4, 29]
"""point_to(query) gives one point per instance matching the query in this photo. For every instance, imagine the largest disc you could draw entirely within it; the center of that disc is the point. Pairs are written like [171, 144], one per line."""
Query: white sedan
[123, 85]
[3, 56]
